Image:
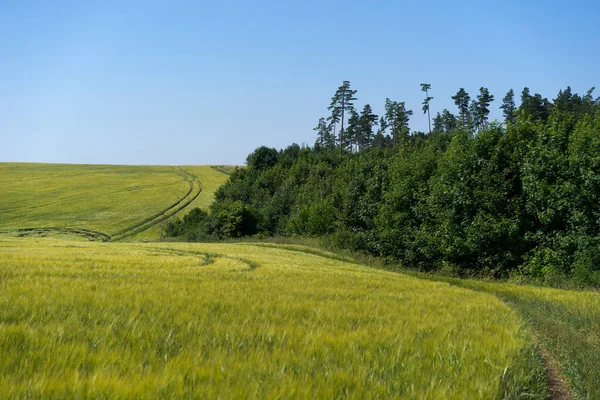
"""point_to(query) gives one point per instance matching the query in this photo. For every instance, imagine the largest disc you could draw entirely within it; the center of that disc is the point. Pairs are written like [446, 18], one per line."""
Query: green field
[99, 201]
[83, 319]
[90, 311]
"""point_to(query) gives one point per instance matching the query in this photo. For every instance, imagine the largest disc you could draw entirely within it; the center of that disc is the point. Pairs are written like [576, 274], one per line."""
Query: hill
[99, 202]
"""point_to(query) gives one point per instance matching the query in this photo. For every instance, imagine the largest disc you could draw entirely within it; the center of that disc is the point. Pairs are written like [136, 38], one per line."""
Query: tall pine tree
[366, 122]
[397, 117]
[482, 108]
[341, 103]
[509, 110]
[425, 88]
[462, 99]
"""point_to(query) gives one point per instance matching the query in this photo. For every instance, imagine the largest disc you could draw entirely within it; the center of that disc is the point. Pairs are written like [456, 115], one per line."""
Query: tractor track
[89, 234]
[193, 192]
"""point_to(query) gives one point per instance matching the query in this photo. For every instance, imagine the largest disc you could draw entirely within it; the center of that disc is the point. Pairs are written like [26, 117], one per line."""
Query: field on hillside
[91, 319]
[100, 202]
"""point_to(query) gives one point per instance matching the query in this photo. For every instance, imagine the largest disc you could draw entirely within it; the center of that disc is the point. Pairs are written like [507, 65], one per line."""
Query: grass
[210, 179]
[566, 324]
[60, 200]
[225, 169]
[164, 320]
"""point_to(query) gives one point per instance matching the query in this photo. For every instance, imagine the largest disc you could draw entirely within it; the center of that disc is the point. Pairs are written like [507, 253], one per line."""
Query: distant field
[164, 320]
[95, 200]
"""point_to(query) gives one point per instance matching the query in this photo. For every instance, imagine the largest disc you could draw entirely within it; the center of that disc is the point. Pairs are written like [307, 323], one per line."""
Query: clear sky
[206, 82]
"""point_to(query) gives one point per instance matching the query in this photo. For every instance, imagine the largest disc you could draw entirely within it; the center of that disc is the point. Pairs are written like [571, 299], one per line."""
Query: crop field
[93, 319]
[99, 202]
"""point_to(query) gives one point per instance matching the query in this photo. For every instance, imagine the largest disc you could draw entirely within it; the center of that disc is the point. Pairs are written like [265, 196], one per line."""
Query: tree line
[366, 129]
[518, 198]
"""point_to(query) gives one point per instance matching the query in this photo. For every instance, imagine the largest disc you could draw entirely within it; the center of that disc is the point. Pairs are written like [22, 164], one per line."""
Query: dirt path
[556, 382]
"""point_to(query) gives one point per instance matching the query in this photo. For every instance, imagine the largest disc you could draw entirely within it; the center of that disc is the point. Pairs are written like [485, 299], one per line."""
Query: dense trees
[520, 199]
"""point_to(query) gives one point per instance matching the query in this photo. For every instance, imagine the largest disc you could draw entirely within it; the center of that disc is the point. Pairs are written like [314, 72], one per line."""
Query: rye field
[90, 309]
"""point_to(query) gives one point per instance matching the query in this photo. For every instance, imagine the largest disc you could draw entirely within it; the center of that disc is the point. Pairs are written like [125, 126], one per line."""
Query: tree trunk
[342, 128]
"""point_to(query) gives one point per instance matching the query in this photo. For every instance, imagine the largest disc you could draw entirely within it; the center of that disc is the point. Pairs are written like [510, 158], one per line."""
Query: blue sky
[194, 82]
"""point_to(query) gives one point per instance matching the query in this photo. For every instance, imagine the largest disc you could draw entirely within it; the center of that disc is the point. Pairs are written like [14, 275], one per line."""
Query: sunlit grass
[566, 324]
[237, 320]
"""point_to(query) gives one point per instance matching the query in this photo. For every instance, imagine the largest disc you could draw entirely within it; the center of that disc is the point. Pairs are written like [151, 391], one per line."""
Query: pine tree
[482, 108]
[449, 121]
[353, 133]
[438, 123]
[425, 88]
[462, 99]
[366, 123]
[509, 110]
[379, 137]
[324, 136]
[536, 106]
[397, 116]
[341, 103]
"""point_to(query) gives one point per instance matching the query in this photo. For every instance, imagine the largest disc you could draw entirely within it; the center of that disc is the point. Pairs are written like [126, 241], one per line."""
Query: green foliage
[341, 103]
[509, 110]
[397, 117]
[262, 158]
[461, 99]
[514, 199]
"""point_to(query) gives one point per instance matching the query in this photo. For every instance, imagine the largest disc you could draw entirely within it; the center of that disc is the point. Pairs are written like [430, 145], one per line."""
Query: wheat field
[155, 320]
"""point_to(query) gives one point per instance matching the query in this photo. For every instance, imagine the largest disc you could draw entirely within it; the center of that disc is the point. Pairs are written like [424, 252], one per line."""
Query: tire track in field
[208, 258]
[195, 188]
[91, 235]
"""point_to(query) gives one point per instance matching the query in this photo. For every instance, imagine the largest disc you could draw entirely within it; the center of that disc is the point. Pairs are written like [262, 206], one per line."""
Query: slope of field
[210, 178]
[98, 201]
[164, 320]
